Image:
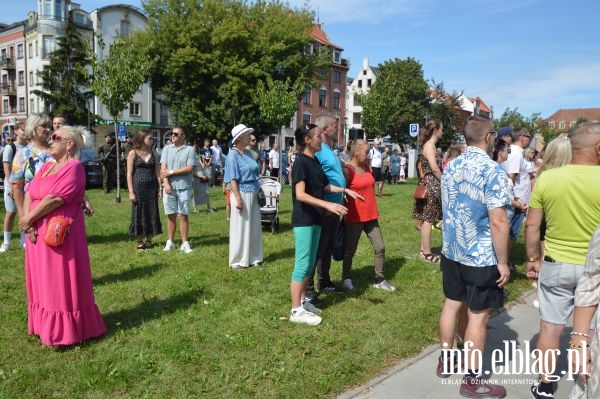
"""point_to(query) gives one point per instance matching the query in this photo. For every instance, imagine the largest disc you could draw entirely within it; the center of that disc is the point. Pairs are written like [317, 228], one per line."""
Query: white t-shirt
[515, 163]
[274, 155]
[375, 156]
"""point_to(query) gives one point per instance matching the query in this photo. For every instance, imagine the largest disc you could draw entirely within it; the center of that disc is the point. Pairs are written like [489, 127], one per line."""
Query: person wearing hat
[505, 133]
[107, 154]
[241, 173]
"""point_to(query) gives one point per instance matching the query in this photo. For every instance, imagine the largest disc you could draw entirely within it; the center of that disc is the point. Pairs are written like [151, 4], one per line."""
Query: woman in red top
[362, 215]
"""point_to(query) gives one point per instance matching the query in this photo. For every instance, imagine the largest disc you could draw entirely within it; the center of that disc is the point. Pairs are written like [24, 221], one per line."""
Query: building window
[551, 125]
[305, 118]
[360, 83]
[125, 27]
[5, 107]
[19, 51]
[573, 123]
[323, 74]
[31, 105]
[58, 10]
[134, 109]
[47, 10]
[48, 46]
[31, 77]
[368, 82]
[309, 49]
[21, 78]
[79, 19]
[322, 96]
[356, 101]
[21, 104]
[561, 125]
[365, 72]
[337, 57]
[307, 92]
[30, 50]
[337, 76]
[336, 99]
[356, 118]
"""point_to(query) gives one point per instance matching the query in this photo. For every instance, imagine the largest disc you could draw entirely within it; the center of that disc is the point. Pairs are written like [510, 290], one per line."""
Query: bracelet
[573, 346]
[579, 334]
[533, 259]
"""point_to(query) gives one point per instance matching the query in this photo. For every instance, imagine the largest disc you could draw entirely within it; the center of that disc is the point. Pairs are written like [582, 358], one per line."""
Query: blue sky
[537, 55]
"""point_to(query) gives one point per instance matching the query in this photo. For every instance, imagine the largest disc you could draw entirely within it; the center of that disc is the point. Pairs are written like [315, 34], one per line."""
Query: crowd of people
[482, 193]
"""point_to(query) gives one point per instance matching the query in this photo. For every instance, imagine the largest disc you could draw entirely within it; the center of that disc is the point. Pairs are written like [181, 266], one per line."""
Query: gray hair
[585, 135]
[34, 121]
[324, 119]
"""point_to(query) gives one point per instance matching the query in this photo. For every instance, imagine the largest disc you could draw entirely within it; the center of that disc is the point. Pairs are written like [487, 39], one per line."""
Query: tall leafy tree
[400, 96]
[209, 55]
[117, 77]
[65, 84]
[445, 108]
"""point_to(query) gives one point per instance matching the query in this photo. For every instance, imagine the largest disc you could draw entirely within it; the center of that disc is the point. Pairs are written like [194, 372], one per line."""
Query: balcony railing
[8, 89]
[7, 63]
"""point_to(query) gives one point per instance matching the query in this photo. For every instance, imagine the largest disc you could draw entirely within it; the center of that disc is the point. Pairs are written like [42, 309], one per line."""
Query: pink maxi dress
[61, 308]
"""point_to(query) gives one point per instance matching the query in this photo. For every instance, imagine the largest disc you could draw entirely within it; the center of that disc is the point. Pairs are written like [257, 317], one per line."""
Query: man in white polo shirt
[376, 164]
[516, 168]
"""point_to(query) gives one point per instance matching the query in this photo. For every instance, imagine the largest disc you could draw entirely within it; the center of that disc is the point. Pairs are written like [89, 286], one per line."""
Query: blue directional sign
[121, 131]
[413, 129]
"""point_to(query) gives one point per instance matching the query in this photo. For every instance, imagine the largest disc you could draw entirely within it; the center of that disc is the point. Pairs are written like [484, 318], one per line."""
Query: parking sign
[413, 129]
[121, 131]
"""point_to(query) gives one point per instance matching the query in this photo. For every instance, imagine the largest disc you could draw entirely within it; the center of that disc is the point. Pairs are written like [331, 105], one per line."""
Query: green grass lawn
[187, 326]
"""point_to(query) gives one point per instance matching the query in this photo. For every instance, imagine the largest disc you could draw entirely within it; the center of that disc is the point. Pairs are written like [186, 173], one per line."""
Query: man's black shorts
[475, 285]
[377, 174]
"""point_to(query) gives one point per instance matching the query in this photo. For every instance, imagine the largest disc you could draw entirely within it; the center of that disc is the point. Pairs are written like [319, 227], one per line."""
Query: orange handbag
[56, 231]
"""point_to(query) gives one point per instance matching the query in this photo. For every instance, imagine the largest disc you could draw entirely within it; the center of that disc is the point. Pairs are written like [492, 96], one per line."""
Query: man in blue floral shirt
[474, 252]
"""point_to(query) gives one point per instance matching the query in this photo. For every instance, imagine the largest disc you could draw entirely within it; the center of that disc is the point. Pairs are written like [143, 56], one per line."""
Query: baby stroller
[268, 198]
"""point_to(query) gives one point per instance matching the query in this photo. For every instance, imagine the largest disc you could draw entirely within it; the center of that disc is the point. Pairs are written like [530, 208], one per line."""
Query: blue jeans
[515, 220]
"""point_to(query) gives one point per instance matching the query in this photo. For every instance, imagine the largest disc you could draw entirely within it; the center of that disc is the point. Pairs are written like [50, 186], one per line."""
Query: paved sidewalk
[415, 378]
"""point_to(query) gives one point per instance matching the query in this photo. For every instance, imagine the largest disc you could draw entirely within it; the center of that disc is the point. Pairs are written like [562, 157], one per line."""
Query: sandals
[140, 246]
[148, 245]
[431, 257]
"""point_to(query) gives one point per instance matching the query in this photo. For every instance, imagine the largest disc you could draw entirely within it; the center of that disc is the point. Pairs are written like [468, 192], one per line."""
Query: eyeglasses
[175, 134]
[526, 135]
[55, 137]
[493, 132]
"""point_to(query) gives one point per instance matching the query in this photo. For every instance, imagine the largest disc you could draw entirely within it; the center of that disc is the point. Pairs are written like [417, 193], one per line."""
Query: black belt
[549, 259]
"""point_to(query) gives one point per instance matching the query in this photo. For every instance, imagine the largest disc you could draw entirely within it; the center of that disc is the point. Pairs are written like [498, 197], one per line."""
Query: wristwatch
[534, 259]
[170, 172]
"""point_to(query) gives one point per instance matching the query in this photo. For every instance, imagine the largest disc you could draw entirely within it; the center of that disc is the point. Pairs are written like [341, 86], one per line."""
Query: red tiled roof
[567, 115]
[320, 36]
[482, 105]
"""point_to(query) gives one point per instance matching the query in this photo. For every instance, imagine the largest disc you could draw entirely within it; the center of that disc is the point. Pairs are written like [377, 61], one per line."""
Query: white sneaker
[4, 247]
[347, 284]
[304, 316]
[310, 307]
[185, 247]
[384, 285]
[169, 246]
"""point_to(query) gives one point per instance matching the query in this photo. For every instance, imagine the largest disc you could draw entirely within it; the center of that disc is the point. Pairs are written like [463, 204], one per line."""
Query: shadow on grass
[284, 253]
[108, 238]
[210, 239]
[133, 273]
[149, 309]
[363, 278]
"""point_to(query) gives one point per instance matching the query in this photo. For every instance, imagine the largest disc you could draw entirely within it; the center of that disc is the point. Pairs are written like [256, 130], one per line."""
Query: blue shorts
[9, 202]
[177, 202]
[515, 219]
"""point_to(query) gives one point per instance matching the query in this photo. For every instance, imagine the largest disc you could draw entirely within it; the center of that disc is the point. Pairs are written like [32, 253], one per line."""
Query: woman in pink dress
[61, 306]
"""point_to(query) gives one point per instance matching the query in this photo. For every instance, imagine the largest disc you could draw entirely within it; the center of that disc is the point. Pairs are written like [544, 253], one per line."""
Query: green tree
[209, 55]
[117, 77]
[65, 83]
[534, 123]
[445, 108]
[400, 96]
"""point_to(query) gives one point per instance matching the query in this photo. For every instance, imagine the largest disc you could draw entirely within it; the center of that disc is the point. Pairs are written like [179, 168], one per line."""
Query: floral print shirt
[472, 184]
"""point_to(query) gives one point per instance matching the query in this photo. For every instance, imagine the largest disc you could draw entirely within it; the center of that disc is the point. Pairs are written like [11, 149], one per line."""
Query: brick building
[564, 119]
